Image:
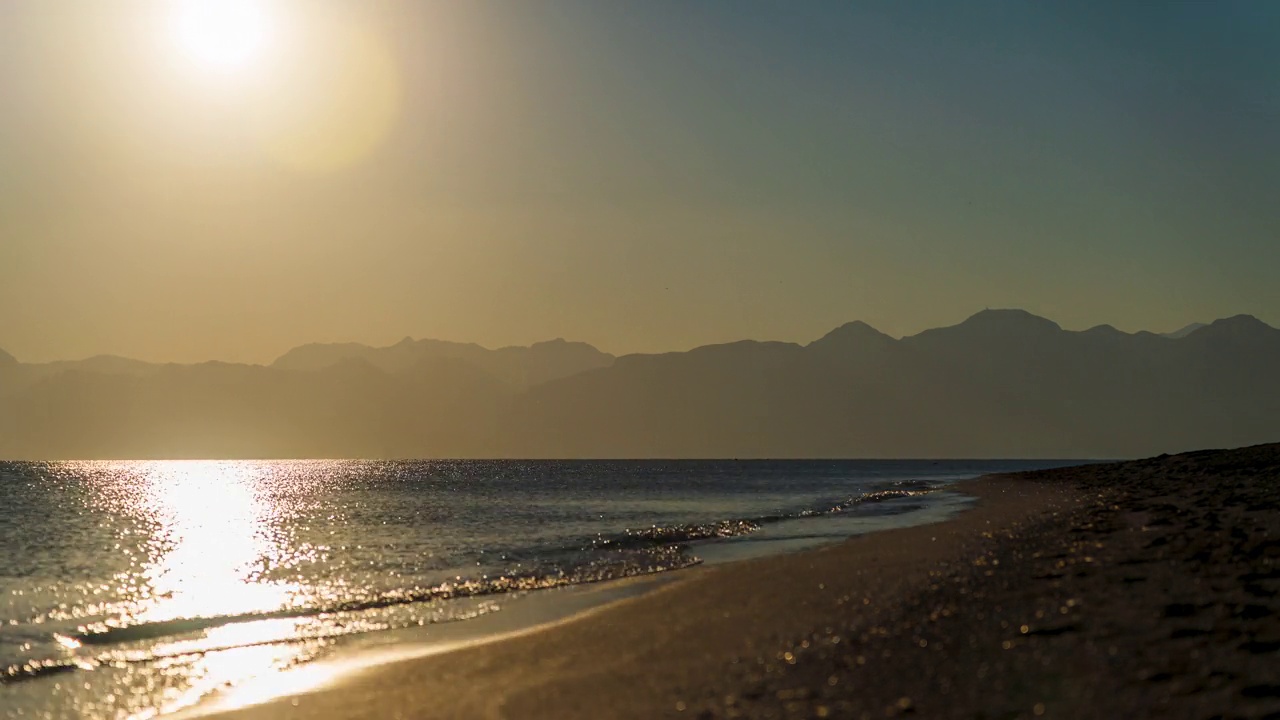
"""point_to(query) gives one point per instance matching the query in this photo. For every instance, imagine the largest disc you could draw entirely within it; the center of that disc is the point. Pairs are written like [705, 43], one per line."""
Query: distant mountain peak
[991, 326]
[6, 359]
[850, 333]
[1010, 318]
[1243, 321]
[1235, 326]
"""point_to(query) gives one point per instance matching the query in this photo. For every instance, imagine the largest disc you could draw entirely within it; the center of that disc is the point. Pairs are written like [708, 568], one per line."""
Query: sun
[221, 35]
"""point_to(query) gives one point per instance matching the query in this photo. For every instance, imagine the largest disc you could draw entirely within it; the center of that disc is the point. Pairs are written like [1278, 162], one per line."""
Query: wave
[105, 634]
[635, 552]
[676, 534]
[41, 668]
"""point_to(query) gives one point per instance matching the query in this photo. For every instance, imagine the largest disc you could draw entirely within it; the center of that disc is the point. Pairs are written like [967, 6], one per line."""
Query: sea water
[131, 589]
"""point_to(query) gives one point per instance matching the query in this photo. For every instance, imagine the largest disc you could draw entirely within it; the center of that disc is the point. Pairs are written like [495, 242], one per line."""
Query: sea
[130, 590]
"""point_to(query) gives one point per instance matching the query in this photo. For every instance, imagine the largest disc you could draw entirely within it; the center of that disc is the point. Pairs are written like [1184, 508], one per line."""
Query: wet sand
[1148, 589]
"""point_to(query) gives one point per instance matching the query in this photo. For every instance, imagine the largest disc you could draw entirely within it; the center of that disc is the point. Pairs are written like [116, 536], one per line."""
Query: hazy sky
[642, 176]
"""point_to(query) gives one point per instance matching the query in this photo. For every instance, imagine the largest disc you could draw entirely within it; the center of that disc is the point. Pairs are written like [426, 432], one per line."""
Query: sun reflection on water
[216, 539]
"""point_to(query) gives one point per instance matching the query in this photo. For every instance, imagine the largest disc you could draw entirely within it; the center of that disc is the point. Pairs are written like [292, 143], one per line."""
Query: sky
[180, 183]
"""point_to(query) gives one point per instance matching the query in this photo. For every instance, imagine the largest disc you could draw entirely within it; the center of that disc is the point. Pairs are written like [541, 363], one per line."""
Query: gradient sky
[645, 176]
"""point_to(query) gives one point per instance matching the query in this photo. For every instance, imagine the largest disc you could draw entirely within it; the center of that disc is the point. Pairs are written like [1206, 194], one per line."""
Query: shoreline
[491, 667]
[539, 610]
[534, 612]
[1145, 588]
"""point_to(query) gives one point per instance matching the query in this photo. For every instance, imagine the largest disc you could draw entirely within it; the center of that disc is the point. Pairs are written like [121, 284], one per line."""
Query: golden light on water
[215, 524]
[258, 666]
[213, 531]
[216, 534]
[264, 688]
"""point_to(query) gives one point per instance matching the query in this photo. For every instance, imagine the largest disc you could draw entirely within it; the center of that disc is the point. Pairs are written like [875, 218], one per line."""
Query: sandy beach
[1147, 589]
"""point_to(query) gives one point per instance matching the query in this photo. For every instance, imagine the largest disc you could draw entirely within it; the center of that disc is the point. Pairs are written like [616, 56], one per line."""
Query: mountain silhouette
[993, 325]
[850, 335]
[1241, 328]
[1003, 383]
[519, 366]
[15, 376]
[104, 364]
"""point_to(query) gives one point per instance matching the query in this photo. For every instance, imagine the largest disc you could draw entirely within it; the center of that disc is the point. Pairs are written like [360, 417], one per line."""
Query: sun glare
[221, 34]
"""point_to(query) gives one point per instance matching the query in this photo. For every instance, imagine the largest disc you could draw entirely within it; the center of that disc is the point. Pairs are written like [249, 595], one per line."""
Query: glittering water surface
[132, 589]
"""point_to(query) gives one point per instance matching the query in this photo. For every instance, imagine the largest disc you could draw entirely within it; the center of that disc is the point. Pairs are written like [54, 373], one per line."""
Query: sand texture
[1143, 589]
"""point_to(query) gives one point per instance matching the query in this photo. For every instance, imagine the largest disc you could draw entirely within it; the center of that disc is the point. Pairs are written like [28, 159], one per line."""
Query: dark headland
[1138, 589]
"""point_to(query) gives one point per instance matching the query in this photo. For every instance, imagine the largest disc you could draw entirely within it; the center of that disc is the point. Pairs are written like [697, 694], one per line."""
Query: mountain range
[1004, 383]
